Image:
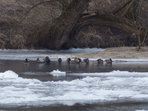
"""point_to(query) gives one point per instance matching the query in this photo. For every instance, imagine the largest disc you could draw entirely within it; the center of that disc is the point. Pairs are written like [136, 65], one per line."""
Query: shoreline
[117, 53]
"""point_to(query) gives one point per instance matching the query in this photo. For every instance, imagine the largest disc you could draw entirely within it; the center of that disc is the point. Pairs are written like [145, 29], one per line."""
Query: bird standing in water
[47, 60]
[77, 60]
[68, 60]
[100, 61]
[38, 60]
[60, 60]
[108, 61]
[86, 61]
[26, 60]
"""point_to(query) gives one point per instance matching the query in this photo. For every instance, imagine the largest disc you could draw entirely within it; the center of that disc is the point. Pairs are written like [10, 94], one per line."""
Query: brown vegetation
[59, 24]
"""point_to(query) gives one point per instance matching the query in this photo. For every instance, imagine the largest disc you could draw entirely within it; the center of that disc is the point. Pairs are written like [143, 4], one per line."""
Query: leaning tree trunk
[59, 32]
[124, 19]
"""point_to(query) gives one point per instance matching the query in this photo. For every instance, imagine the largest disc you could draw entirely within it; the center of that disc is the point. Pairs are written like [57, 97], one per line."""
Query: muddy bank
[119, 52]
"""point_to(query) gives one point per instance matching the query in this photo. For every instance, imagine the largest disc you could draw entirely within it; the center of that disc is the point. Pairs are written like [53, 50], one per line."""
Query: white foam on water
[9, 75]
[57, 73]
[17, 91]
[114, 73]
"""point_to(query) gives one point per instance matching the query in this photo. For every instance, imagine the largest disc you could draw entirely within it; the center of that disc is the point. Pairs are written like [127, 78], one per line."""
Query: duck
[80, 60]
[38, 60]
[108, 61]
[100, 61]
[47, 59]
[68, 60]
[77, 60]
[26, 60]
[59, 60]
[86, 61]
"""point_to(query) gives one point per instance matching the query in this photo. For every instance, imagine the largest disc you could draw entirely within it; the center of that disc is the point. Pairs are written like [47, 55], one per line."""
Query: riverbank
[117, 53]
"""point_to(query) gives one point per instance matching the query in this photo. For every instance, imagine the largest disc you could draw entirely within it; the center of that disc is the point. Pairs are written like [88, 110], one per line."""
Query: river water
[121, 86]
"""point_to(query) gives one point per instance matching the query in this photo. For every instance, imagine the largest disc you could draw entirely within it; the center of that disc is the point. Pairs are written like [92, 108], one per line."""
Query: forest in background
[60, 24]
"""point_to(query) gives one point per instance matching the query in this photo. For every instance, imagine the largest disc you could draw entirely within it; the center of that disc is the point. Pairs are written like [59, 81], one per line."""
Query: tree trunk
[62, 26]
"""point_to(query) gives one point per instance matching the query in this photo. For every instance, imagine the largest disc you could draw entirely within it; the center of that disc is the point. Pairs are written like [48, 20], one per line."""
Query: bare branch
[34, 6]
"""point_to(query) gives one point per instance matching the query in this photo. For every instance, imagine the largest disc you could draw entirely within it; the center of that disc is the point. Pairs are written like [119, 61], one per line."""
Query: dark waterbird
[86, 61]
[26, 60]
[77, 60]
[100, 61]
[108, 61]
[68, 60]
[59, 60]
[38, 60]
[47, 59]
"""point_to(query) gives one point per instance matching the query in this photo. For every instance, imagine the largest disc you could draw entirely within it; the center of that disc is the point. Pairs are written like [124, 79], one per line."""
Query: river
[121, 86]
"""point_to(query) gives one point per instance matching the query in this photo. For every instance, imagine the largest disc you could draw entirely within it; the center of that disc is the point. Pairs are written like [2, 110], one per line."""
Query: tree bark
[62, 26]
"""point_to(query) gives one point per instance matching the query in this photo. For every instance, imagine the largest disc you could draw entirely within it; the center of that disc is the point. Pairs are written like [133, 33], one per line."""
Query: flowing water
[31, 86]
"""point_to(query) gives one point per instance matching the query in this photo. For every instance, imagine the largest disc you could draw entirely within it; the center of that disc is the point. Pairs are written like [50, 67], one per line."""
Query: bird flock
[76, 60]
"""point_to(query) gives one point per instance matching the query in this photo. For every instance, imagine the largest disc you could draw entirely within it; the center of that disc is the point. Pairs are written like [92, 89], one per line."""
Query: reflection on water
[21, 66]
[41, 70]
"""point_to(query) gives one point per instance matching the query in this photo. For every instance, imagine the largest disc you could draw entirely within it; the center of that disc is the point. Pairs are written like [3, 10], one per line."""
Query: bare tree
[72, 19]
